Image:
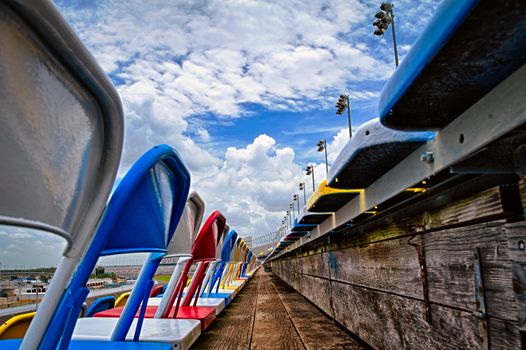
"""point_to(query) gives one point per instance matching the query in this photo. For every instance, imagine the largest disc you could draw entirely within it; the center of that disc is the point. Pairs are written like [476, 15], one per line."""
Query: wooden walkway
[268, 314]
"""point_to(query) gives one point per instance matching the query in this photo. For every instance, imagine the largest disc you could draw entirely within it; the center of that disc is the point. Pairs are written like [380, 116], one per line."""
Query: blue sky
[242, 89]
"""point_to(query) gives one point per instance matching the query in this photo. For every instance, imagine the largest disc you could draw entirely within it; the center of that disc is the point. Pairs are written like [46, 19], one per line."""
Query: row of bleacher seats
[468, 49]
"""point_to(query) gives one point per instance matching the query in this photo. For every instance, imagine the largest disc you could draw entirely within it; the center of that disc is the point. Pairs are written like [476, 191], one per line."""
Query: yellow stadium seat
[16, 326]
[122, 299]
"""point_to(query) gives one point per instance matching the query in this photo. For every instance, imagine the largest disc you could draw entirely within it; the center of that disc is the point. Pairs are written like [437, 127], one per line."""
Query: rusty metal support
[423, 277]
[480, 301]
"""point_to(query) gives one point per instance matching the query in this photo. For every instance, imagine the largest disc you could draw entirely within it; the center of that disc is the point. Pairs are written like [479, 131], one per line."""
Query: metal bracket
[489, 160]
[423, 277]
[504, 156]
[480, 301]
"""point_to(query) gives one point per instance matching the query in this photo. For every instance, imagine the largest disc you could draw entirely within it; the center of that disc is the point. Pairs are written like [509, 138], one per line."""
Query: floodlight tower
[309, 170]
[322, 146]
[295, 198]
[302, 188]
[383, 18]
[342, 105]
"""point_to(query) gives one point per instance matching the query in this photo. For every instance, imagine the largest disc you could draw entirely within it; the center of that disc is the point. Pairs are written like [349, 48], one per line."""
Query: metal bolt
[427, 157]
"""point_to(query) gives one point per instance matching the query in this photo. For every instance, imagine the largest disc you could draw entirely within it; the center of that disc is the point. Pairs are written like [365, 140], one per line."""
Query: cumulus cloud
[203, 135]
[254, 184]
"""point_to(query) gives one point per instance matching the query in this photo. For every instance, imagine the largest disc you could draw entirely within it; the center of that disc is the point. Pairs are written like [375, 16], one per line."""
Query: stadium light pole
[296, 197]
[309, 170]
[383, 19]
[322, 146]
[343, 104]
[302, 187]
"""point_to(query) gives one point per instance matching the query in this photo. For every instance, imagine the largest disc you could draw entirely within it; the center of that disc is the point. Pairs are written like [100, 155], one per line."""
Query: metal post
[304, 195]
[349, 115]
[394, 36]
[313, 185]
[298, 198]
[326, 161]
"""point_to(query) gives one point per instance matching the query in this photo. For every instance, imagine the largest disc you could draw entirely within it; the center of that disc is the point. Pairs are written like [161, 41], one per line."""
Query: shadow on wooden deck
[268, 314]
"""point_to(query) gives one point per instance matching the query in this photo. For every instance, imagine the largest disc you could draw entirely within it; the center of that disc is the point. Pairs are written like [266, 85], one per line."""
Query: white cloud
[23, 247]
[335, 146]
[203, 135]
[254, 185]
[220, 55]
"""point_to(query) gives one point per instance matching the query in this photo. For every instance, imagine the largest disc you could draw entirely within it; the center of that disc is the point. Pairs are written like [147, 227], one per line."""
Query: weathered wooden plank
[474, 208]
[517, 247]
[273, 328]
[312, 326]
[316, 265]
[393, 266]
[233, 329]
[387, 321]
[450, 274]
[317, 290]
[376, 276]
[483, 206]
[389, 266]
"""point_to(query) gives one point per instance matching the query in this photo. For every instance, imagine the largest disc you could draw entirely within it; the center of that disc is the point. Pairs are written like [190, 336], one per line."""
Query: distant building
[7, 291]
[99, 270]
[98, 282]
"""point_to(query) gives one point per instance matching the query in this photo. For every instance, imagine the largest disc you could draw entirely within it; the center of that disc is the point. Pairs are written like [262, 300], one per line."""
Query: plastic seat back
[208, 281]
[221, 242]
[180, 247]
[141, 216]
[202, 250]
[234, 259]
[122, 299]
[243, 258]
[157, 290]
[16, 326]
[60, 140]
[205, 243]
[188, 226]
[228, 245]
[101, 304]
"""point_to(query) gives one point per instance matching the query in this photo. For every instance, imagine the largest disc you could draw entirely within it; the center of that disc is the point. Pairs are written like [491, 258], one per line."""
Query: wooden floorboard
[232, 330]
[268, 314]
[315, 329]
[273, 329]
